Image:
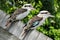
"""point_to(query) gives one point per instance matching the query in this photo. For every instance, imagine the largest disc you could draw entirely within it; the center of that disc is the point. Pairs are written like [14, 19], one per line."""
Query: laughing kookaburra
[19, 14]
[35, 22]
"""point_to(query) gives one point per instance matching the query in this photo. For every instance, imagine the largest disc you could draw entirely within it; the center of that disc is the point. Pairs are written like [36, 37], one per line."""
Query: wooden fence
[15, 30]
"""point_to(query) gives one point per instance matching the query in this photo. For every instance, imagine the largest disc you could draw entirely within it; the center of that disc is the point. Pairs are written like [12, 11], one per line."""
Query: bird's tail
[23, 34]
[8, 23]
[25, 31]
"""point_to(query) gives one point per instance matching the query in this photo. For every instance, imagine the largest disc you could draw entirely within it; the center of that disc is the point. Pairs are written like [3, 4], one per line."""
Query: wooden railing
[16, 29]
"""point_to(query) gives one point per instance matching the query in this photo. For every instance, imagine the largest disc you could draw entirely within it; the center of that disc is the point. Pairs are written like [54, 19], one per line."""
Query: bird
[19, 14]
[35, 22]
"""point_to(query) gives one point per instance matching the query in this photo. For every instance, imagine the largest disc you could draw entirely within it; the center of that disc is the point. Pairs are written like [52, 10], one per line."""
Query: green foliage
[32, 13]
[51, 27]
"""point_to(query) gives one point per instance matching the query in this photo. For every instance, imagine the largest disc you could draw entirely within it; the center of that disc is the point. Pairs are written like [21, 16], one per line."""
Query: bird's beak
[51, 16]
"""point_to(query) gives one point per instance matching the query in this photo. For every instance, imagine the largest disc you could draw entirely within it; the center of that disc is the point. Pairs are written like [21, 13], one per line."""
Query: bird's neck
[43, 15]
[28, 11]
[39, 15]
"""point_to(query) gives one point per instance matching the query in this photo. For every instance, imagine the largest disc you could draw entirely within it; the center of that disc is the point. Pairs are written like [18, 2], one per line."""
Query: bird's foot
[25, 25]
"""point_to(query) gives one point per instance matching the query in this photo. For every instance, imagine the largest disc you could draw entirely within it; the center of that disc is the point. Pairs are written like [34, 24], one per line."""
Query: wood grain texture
[3, 23]
[33, 36]
[2, 16]
[42, 37]
[3, 19]
[16, 29]
[4, 35]
[49, 38]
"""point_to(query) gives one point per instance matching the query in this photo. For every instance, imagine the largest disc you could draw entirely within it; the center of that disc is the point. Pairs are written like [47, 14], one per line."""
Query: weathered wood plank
[4, 35]
[34, 35]
[3, 23]
[13, 38]
[3, 19]
[42, 37]
[16, 28]
[2, 16]
[49, 38]
[27, 35]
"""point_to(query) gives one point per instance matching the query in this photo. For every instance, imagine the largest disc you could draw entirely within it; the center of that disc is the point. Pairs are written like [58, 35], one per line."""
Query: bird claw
[25, 25]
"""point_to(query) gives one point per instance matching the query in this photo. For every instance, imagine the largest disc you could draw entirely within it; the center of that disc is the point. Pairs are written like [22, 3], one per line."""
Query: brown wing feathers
[36, 18]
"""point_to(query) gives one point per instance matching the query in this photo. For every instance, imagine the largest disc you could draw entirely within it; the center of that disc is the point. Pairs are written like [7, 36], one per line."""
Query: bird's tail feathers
[22, 35]
[9, 21]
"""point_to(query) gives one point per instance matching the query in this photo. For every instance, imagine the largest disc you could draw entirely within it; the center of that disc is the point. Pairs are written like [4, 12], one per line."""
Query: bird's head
[44, 14]
[28, 6]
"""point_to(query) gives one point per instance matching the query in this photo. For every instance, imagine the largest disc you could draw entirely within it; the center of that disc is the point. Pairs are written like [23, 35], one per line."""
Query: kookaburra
[19, 14]
[35, 22]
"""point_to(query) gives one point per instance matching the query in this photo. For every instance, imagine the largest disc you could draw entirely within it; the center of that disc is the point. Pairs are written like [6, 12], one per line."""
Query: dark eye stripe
[44, 13]
[28, 6]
